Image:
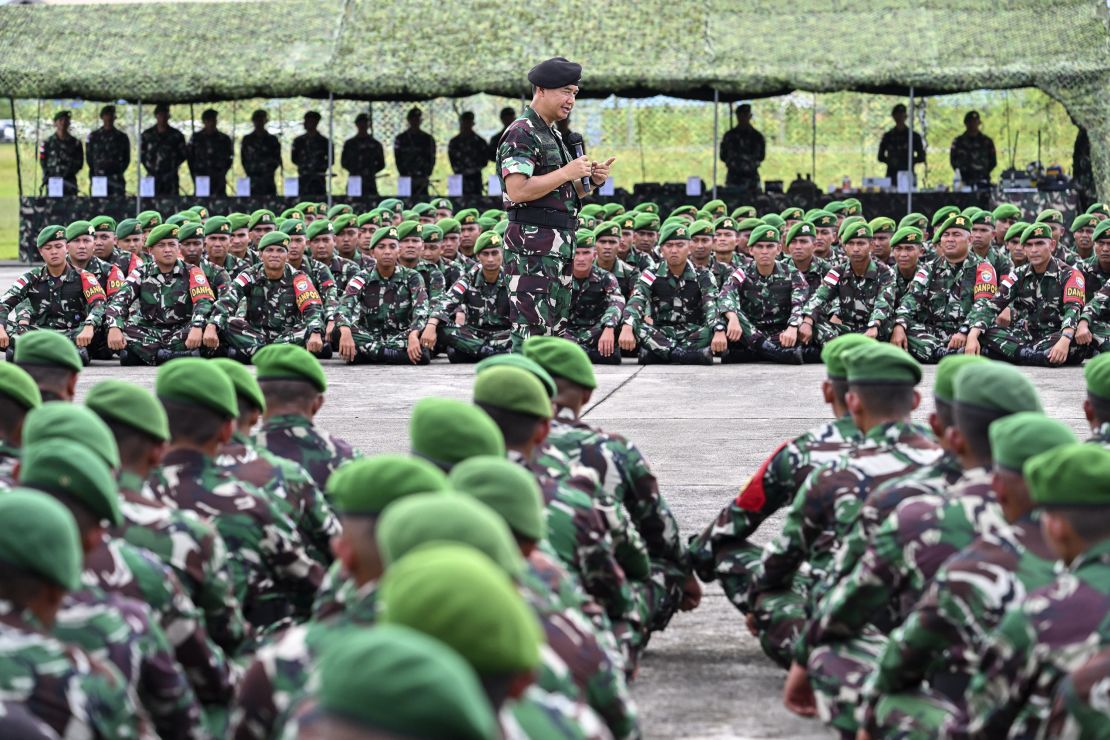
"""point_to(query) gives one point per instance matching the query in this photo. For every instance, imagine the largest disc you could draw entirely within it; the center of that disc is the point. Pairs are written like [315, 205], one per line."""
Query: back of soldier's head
[883, 378]
[984, 393]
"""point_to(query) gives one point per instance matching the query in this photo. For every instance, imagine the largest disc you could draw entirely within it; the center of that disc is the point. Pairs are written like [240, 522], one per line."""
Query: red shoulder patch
[115, 280]
[1075, 290]
[305, 292]
[199, 288]
[986, 281]
[91, 289]
[752, 496]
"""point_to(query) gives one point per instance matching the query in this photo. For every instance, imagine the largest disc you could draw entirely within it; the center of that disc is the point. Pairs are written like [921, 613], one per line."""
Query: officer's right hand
[605, 343]
[346, 344]
[733, 331]
[85, 337]
[898, 336]
[627, 339]
[211, 338]
[789, 337]
[577, 169]
[115, 339]
[805, 332]
[719, 343]
[971, 346]
[314, 343]
[3, 338]
[1082, 333]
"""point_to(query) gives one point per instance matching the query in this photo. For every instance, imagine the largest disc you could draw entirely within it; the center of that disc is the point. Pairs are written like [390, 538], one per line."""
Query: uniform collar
[286, 421]
[1096, 555]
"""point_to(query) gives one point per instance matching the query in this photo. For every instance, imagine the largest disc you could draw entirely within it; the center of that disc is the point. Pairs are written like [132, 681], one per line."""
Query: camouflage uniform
[920, 679]
[722, 270]
[641, 261]
[71, 692]
[1042, 307]
[310, 155]
[321, 277]
[1095, 275]
[1082, 704]
[62, 158]
[231, 266]
[107, 274]
[743, 150]
[435, 284]
[9, 461]
[486, 330]
[162, 155]
[1098, 318]
[108, 153]
[626, 276]
[260, 154]
[683, 309]
[363, 156]
[381, 313]
[67, 303]
[468, 153]
[124, 260]
[1057, 629]
[765, 305]
[296, 438]
[817, 270]
[170, 305]
[596, 304]
[282, 311]
[272, 574]
[537, 257]
[998, 258]
[974, 157]
[343, 270]
[211, 155]
[414, 152]
[860, 302]
[945, 299]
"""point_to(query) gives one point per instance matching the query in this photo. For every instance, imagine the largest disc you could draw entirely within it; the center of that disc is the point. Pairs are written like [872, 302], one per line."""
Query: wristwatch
[718, 327]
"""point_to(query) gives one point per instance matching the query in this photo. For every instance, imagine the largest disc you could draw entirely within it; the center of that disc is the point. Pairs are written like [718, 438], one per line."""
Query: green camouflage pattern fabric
[626, 276]
[321, 276]
[67, 303]
[722, 269]
[381, 312]
[62, 158]
[1082, 700]
[107, 274]
[764, 304]
[124, 260]
[298, 440]
[540, 713]
[683, 310]
[109, 155]
[998, 258]
[816, 271]
[272, 574]
[73, 693]
[260, 154]
[211, 155]
[859, 301]
[282, 311]
[435, 284]
[231, 265]
[640, 260]
[364, 157]
[9, 462]
[487, 308]
[343, 270]
[1057, 629]
[289, 487]
[974, 157]
[596, 303]
[162, 153]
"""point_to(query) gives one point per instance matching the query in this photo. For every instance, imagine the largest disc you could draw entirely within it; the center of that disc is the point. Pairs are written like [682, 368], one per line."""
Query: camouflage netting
[181, 52]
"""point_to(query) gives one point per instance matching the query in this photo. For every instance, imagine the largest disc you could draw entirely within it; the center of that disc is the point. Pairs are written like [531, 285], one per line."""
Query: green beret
[487, 240]
[467, 216]
[421, 518]
[196, 381]
[802, 228]
[847, 224]
[289, 213]
[395, 681]
[520, 361]
[607, 228]
[701, 228]
[741, 212]
[306, 207]
[442, 204]
[1100, 230]
[997, 387]
[486, 223]
[507, 488]
[857, 230]
[1097, 374]
[410, 228]
[970, 212]
[383, 233]
[47, 347]
[501, 228]
[458, 596]
[77, 229]
[512, 389]
[764, 233]
[1005, 211]
[590, 209]
[104, 223]
[1015, 231]
[1049, 216]
[178, 219]
[583, 239]
[627, 221]
[289, 362]
[1099, 208]
[149, 219]
[160, 232]
[792, 213]
[645, 222]
[496, 213]
[944, 383]
[449, 226]
[942, 214]
[725, 223]
[370, 217]
[340, 209]
[914, 219]
[835, 206]
[343, 221]
[647, 207]
[369, 484]
[908, 235]
[820, 218]
[274, 239]
[71, 469]
[200, 210]
[319, 227]
[882, 225]
[432, 234]
[238, 221]
[716, 207]
[674, 232]
[393, 204]
[853, 205]
[880, 363]
[1083, 220]
[217, 225]
[244, 382]
[190, 230]
[61, 420]
[685, 209]
[1075, 475]
[261, 216]
[832, 354]
[446, 431]
[40, 536]
[17, 384]
[1018, 437]
[955, 221]
[773, 219]
[612, 210]
[51, 233]
[561, 358]
[1037, 231]
[674, 221]
[292, 227]
[982, 218]
[127, 403]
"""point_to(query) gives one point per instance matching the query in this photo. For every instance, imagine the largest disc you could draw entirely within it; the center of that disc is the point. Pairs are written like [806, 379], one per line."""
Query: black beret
[555, 72]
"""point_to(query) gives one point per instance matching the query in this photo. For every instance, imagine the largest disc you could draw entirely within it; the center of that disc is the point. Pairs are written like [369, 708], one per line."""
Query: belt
[552, 219]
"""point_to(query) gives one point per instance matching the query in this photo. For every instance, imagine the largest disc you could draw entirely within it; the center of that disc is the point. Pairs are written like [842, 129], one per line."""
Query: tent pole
[331, 141]
[38, 121]
[716, 129]
[813, 142]
[909, 154]
[18, 166]
[139, 159]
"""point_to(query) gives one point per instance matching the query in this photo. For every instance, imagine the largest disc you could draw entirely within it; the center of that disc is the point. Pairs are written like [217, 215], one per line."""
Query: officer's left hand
[85, 337]
[872, 332]
[797, 694]
[719, 343]
[1059, 351]
[330, 328]
[691, 594]
[957, 341]
[414, 349]
[789, 337]
[600, 171]
[733, 331]
[211, 337]
[314, 343]
[428, 336]
[627, 339]
[193, 340]
[1083, 333]
[605, 344]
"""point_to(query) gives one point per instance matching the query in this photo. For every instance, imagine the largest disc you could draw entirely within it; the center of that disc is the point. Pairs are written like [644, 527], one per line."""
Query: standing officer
[310, 154]
[415, 153]
[541, 186]
[163, 150]
[973, 153]
[61, 155]
[363, 155]
[210, 154]
[260, 153]
[743, 150]
[468, 153]
[109, 151]
[892, 147]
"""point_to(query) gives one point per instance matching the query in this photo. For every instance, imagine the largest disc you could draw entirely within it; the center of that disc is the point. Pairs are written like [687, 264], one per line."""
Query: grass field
[9, 203]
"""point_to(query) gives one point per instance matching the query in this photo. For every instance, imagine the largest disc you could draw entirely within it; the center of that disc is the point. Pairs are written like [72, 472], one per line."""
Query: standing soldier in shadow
[743, 150]
[211, 154]
[363, 155]
[310, 154]
[415, 153]
[260, 153]
[109, 152]
[61, 155]
[163, 150]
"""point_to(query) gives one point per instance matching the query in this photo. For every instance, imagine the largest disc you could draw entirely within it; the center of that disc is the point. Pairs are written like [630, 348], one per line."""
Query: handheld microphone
[575, 141]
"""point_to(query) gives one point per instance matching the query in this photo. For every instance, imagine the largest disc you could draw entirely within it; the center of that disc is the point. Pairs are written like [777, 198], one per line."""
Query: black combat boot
[127, 358]
[777, 353]
[599, 359]
[692, 356]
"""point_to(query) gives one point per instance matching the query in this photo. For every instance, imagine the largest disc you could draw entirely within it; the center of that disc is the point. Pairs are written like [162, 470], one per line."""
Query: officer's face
[858, 251]
[583, 261]
[1017, 251]
[905, 256]
[133, 243]
[981, 236]
[260, 231]
[764, 254]
[365, 233]
[240, 240]
[345, 240]
[675, 254]
[216, 245]
[105, 241]
[297, 244]
[61, 126]
[274, 258]
[954, 244]
[824, 238]
[164, 253]
[1038, 251]
[1001, 226]
[323, 247]
[645, 239]
[801, 248]
[724, 242]
[627, 237]
[451, 245]
[468, 234]
[191, 250]
[700, 246]
[432, 251]
[606, 248]
[742, 241]
[411, 248]
[880, 246]
[1057, 231]
[490, 259]
[557, 103]
[80, 249]
[386, 252]
[1083, 238]
[54, 253]
[1102, 251]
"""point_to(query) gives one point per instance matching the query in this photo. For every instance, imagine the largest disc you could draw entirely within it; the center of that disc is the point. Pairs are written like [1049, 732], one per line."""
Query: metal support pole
[139, 159]
[813, 143]
[909, 194]
[331, 142]
[38, 122]
[18, 163]
[716, 140]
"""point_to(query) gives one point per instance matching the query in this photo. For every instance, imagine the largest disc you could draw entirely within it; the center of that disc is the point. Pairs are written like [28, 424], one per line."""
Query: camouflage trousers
[662, 340]
[837, 673]
[734, 570]
[1017, 345]
[97, 349]
[916, 715]
[537, 263]
[469, 341]
[585, 337]
[248, 339]
[1100, 341]
[369, 346]
[825, 332]
[765, 346]
[780, 616]
[928, 344]
[145, 339]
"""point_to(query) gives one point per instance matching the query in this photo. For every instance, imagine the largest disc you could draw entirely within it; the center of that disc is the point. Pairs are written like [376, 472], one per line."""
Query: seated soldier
[607, 244]
[905, 250]
[596, 305]
[800, 246]
[725, 258]
[479, 303]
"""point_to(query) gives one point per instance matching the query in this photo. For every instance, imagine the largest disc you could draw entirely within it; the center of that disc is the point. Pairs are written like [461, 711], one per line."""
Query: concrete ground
[704, 430]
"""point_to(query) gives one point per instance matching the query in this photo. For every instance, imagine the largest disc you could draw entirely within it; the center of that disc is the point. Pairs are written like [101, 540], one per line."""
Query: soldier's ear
[1089, 412]
[916, 400]
[318, 403]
